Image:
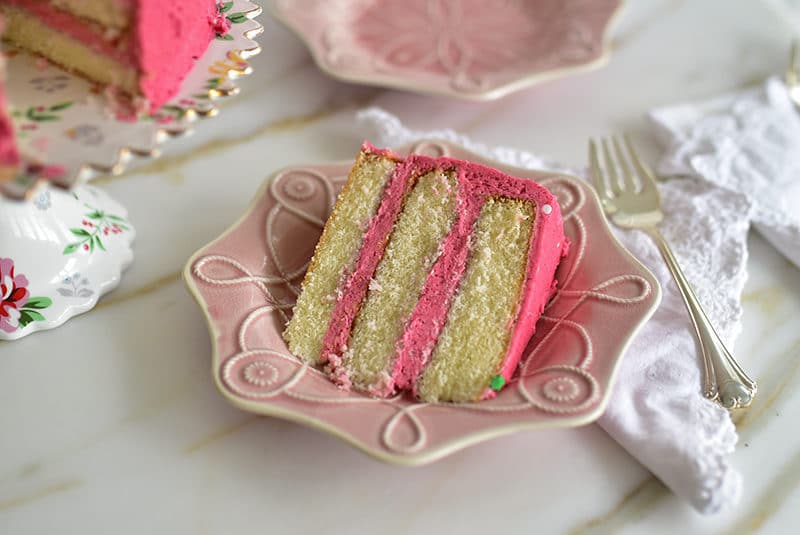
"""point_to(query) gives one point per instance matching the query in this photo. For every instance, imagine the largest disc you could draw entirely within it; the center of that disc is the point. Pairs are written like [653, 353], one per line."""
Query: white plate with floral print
[59, 252]
[63, 122]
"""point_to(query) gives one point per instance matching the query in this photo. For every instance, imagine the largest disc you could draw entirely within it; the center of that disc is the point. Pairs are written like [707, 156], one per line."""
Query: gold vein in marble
[764, 402]
[213, 147]
[141, 413]
[769, 300]
[148, 288]
[779, 489]
[636, 502]
[216, 146]
[26, 499]
[218, 435]
[176, 177]
[648, 494]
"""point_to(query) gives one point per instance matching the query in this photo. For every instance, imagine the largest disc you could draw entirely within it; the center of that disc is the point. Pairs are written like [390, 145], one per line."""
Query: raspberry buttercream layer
[146, 50]
[442, 285]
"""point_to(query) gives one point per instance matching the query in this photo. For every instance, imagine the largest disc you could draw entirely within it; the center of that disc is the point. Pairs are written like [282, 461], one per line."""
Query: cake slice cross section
[454, 268]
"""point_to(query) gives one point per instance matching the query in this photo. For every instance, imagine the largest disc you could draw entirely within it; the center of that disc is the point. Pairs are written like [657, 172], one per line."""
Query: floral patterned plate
[59, 252]
[246, 282]
[473, 49]
[63, 123]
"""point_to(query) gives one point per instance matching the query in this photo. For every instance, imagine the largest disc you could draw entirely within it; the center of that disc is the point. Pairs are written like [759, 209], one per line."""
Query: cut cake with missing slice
[144, 48]
[429, 277]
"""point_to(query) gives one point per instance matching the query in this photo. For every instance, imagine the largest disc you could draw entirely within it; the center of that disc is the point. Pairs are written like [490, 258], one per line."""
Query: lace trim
[747, 143]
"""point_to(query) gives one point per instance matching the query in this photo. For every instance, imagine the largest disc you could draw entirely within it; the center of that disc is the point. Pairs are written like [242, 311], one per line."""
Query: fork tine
[648, 179]
[596, 171]
[793, 71]
[627, 176]
[611, 169]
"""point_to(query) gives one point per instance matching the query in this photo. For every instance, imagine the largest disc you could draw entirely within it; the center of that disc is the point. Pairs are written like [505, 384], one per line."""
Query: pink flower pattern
[439, 36]
[473, 42]
[17, 307]
[13, 294]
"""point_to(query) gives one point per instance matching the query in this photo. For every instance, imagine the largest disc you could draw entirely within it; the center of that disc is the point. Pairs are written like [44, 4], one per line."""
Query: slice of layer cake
[143, 47]
[9, 155]
[429, 276]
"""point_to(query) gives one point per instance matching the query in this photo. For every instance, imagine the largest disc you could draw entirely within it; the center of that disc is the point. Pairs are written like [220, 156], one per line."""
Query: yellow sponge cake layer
[110, 13]
[33, 34]
[336, 254]
[475, 338]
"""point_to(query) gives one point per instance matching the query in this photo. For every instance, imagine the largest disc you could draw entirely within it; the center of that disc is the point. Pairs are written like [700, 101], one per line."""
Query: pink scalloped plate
[247, 280]
[472, 49]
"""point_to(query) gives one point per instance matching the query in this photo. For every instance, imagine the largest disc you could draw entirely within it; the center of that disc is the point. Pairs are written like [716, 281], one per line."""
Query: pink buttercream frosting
[476, 183]
[163, 39]
[169, 37]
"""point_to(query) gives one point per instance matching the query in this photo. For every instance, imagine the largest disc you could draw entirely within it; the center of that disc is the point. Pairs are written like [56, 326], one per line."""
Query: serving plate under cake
[247, 280]
[68, 133]
[470, 49]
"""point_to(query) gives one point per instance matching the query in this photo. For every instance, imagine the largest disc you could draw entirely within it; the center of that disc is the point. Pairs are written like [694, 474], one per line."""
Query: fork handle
[724, 382]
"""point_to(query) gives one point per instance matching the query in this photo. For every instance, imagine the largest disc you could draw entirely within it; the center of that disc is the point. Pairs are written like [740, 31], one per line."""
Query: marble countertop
[112, 424]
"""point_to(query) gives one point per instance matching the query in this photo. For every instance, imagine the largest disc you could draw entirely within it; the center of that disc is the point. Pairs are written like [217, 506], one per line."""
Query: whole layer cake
[144, 48]
[429, 277]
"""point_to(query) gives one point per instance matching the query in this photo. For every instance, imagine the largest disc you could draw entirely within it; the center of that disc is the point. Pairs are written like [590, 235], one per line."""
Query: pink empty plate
[474, 49]
[247, 280]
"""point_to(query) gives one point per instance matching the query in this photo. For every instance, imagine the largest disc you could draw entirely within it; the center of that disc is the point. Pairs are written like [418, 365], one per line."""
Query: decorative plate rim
[71, 311]
[493, 93]
[89, 170]
[440, 451]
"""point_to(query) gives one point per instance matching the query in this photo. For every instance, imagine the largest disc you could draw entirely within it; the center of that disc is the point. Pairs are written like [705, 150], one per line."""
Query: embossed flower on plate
[476, 49]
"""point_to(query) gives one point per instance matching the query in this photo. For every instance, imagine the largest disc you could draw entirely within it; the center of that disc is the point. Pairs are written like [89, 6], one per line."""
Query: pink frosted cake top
[476, 183]
[169, 37]
[162, 41]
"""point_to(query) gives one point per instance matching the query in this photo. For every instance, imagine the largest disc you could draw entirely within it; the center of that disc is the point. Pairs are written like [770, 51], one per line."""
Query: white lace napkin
[747, 142]
[657, 411]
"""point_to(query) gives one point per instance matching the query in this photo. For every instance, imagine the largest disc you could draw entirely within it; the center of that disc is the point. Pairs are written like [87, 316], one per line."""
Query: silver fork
[638, 206]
